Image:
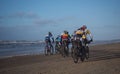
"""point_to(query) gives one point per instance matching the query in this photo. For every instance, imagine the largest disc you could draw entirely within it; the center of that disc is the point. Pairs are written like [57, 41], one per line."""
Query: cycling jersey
[49, 38]
[58, 39]
[79, 32]
[87, 31]
[64, 36]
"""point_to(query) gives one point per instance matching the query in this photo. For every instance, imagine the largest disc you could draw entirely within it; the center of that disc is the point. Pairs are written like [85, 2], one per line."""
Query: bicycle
[75, 50]
[57, 47]
[64, 48]
[80, 50]
[48, 49]
[85, 49]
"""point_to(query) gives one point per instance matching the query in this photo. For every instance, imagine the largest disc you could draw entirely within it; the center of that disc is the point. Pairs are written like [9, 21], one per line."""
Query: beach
[104, 59]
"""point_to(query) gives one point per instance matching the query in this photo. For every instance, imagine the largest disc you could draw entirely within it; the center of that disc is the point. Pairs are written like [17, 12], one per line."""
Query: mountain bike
[75, 50]
[80, 50]
[85, 47]
[48, 49]
[57, 47]
[64, 48]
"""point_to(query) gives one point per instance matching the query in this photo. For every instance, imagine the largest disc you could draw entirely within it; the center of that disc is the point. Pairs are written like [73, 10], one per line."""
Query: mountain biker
[49, 39]
[78, 33]
[58, 44]
[58, 39]
[82, 33]
[86, 35]
[66, 37]
[77, 37]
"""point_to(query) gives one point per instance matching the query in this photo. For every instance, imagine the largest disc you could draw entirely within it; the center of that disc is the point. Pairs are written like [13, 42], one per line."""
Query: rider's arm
[52, 39]
[90, 35]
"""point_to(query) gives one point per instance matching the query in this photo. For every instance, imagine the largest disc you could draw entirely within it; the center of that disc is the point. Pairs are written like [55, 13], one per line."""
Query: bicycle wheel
[72, 50]
[45, 51]
[87, 52]
[75, 55]
[82, 57]
[62, 51]
[66, 51]
[56, 48]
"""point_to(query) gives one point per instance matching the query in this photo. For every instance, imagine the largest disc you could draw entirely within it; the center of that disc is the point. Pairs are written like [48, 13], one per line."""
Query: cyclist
[65, 37]
[77, 36]
[58, 39]
[58, 44]
[49, 39]
[86, 35]
[81, 35]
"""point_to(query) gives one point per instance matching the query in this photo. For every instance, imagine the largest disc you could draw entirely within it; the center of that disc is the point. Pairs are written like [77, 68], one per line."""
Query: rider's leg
[68, 47]
[56, 47]
[52, 48]
[46, 47]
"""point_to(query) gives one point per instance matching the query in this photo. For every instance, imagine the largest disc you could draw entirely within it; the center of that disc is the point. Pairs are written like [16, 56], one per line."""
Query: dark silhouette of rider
[49, 39]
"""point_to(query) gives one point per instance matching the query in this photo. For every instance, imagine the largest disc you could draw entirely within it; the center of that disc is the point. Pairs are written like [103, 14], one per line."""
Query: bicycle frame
[48, 48]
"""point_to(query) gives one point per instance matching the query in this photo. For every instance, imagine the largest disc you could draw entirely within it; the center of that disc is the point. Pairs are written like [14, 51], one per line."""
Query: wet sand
[104, 59]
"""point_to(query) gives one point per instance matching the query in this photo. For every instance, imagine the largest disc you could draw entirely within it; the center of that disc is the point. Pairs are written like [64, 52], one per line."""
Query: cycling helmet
[49, 33]
[66, 32]
[84, 26]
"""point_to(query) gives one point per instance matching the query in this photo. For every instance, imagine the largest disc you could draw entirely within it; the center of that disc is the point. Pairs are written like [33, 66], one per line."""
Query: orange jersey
[64, 36]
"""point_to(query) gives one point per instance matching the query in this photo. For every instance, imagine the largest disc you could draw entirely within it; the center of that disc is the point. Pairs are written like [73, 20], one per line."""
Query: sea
[11, 49]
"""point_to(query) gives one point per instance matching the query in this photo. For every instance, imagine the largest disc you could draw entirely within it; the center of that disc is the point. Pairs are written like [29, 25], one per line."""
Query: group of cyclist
[80, 33]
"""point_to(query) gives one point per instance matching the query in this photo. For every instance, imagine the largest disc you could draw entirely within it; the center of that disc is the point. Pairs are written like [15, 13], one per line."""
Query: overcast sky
[32, 19]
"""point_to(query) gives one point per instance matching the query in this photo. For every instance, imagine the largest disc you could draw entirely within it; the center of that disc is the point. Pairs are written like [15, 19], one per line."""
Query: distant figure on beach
[49, 39]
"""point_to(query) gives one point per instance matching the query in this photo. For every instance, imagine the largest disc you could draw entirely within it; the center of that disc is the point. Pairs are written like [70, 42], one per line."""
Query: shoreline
[104, 59]
[42, 53]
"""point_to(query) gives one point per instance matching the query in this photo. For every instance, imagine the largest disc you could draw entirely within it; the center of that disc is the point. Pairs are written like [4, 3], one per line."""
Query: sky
[33, 19]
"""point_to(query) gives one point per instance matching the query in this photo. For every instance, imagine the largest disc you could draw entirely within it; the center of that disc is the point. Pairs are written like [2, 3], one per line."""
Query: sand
[104, 59]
